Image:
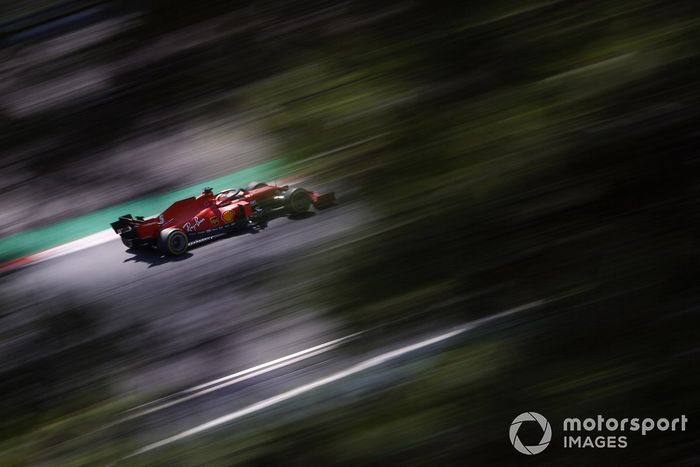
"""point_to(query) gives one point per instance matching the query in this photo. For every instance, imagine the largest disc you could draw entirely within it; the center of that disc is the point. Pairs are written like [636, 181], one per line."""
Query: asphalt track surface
[225, 305]
[241, 294]
[229, 325]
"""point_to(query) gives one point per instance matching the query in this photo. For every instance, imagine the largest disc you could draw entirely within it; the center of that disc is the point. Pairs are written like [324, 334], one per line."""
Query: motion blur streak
[362, 366]
[484, 155]
[238, 377]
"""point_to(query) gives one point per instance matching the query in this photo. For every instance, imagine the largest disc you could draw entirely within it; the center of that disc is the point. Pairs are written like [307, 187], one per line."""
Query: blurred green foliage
[514, 151]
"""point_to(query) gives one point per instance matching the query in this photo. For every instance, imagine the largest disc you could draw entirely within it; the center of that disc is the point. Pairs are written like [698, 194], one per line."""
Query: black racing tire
[173, 241]
[297, 201]
[254, 185]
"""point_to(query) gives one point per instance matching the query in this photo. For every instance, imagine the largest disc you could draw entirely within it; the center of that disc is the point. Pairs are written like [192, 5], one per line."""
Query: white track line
[89, 241]
[362, 366]
[214, 385]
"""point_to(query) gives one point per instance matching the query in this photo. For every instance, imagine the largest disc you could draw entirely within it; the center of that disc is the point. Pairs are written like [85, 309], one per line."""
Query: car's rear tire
[255, 185]
[297, 201]
[173, 241]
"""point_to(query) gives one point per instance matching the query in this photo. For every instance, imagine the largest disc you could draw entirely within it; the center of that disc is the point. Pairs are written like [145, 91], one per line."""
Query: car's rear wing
[126, 223]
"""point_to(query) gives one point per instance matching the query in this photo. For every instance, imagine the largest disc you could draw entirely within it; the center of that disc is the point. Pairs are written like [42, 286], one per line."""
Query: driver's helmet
[228, 195]
[208, 192]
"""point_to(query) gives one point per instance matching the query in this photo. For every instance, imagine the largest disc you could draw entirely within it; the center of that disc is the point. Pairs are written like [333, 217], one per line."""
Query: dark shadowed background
[485, 155]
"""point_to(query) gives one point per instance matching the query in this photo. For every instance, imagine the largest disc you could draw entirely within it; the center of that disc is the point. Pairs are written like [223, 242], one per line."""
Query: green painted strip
[36, 240]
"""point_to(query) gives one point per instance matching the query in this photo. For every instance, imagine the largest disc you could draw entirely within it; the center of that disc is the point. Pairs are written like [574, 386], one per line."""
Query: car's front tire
[297, 201]
[173, 241]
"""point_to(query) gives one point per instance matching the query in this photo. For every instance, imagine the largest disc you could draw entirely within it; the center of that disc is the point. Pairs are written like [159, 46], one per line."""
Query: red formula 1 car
[209, 215]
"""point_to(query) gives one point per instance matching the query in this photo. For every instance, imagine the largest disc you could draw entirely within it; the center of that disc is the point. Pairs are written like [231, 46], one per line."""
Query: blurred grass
[520, 150]
[535, 151]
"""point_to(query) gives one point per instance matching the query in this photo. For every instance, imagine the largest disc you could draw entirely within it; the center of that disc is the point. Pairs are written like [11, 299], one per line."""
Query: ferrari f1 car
[209, 215]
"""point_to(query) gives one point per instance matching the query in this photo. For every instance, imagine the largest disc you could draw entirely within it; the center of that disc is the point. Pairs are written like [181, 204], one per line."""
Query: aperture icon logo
[546, 433]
